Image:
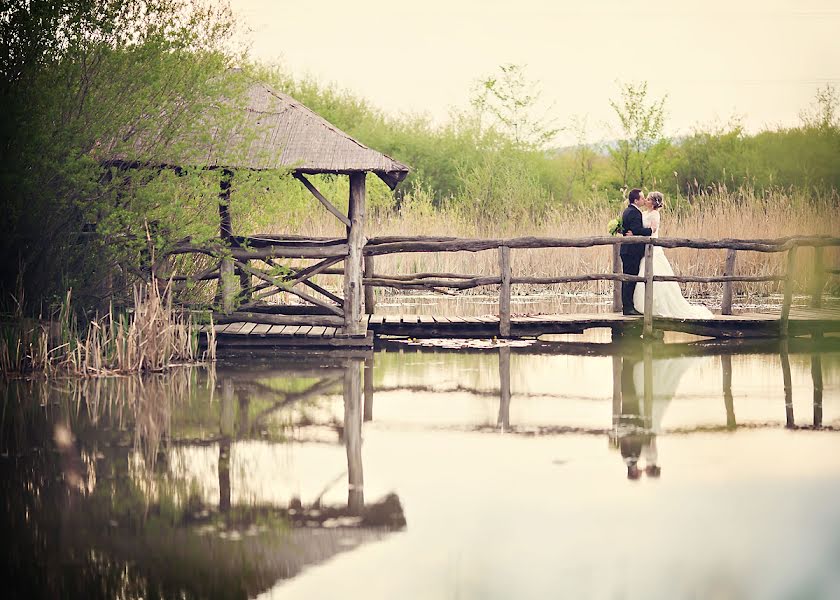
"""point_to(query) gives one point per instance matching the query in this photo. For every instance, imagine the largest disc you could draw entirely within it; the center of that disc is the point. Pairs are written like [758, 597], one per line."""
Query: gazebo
[275, 131]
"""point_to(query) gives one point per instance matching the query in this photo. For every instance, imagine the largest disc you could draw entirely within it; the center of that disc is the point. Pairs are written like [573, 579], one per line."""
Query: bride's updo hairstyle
[656, 199]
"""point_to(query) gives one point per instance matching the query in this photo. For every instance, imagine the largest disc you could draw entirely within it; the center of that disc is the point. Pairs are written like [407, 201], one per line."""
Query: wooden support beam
[648, 327]
[819, 278]
[353, 264]
[282, 286]
[370, 300]
[788, 297]
[327, 204]
[228, 283]
[314, 286]
[728, 271]
[616, 269]
[504, 292]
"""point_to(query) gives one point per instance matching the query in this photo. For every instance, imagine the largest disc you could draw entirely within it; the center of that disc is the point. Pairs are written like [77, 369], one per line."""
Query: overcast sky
[761, 60]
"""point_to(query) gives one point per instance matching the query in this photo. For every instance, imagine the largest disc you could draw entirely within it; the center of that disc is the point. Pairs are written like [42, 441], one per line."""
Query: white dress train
[668, 300]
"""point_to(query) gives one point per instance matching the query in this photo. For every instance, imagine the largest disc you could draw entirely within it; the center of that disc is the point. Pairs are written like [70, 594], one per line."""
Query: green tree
[641, 122]
[513, 101]
[77, 77]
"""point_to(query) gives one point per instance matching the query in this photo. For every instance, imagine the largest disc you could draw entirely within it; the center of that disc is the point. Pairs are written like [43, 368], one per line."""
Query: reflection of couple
[640, 421]
[668, 300]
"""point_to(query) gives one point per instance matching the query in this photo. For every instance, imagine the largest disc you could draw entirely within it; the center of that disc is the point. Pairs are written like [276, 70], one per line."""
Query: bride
[668, 300]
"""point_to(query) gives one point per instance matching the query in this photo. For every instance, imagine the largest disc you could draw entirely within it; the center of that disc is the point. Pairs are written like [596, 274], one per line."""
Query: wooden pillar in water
[503, 421]
[353, 435]
[728, 271]
[227, 280]
[788, 384]
[353, 264]
[726, 369]
[616, 269]
[648, 326]
[504, 292]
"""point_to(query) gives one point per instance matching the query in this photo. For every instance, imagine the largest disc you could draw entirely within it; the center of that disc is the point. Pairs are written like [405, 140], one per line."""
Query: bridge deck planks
[803, 321]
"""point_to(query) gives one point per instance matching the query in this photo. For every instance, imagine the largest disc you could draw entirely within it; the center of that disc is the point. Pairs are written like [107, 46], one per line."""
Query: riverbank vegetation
[108, 74]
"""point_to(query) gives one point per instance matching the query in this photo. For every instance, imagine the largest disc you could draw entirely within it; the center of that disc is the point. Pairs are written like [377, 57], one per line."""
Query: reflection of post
[243, 420]
[368, 414]
[816, 376]
[648, 358]
[504, 387]
[726, 367]
[353, 435]
[227, 416]
[785, 358]
[616, 406]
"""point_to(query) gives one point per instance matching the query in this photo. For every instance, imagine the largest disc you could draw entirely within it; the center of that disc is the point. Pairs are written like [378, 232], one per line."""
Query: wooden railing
[273, 278]
[437, 281]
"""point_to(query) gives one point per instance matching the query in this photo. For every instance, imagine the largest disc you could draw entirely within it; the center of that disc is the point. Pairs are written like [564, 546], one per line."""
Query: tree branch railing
[330, 251]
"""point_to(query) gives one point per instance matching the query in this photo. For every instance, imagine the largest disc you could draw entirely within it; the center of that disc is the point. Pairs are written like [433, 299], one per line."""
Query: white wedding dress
[668, 300]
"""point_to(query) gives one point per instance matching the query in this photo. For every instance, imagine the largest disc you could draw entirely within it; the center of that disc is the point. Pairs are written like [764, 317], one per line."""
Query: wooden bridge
[326, 320]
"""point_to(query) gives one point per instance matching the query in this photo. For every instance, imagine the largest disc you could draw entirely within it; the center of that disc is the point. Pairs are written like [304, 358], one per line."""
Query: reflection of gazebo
[274, 131]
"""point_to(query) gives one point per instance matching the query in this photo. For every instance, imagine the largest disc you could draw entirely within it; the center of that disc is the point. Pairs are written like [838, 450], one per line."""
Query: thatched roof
[273, 131]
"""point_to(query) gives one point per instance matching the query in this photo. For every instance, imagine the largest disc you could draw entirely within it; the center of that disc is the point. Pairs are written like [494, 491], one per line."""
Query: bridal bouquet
[614, 226]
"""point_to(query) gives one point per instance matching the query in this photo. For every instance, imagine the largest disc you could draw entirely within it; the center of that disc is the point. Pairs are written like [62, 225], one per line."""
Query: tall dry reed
[151, 338]
[725, 214]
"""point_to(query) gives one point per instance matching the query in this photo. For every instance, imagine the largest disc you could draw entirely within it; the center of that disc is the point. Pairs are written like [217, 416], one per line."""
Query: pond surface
[423, 471]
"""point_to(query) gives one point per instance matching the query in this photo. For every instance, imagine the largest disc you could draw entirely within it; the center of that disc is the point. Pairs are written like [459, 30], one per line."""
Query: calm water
[431, 472]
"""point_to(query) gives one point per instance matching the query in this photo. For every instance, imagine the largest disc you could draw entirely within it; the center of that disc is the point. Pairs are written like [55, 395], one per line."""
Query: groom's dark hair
[634, 195]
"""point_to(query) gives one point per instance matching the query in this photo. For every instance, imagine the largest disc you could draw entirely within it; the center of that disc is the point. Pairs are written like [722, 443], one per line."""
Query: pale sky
[762, 60]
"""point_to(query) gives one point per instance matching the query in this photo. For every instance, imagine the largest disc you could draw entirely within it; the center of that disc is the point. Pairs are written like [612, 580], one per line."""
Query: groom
[631, 254]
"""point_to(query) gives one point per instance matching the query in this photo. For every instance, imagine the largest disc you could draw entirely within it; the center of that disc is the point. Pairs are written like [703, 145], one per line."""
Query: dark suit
[631, 254]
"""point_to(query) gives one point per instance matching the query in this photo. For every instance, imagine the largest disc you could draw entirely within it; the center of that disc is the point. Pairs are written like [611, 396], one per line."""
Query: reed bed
[724, 214]
[153, 337]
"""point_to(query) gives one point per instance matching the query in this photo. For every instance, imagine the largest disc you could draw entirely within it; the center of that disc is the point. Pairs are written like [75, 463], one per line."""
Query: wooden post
[728, 271]
[504, 388]
[783, 321]
[616, 268]
[353, 263]
[504, 292]
[726, 367]
[370, 301]
[228, 283]
[819, 278]
[648, 327]
[788, 385]
[353, 435]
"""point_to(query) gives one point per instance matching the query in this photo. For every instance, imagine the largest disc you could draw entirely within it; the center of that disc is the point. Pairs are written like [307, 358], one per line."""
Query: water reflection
[223, 483]
[121, 508]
